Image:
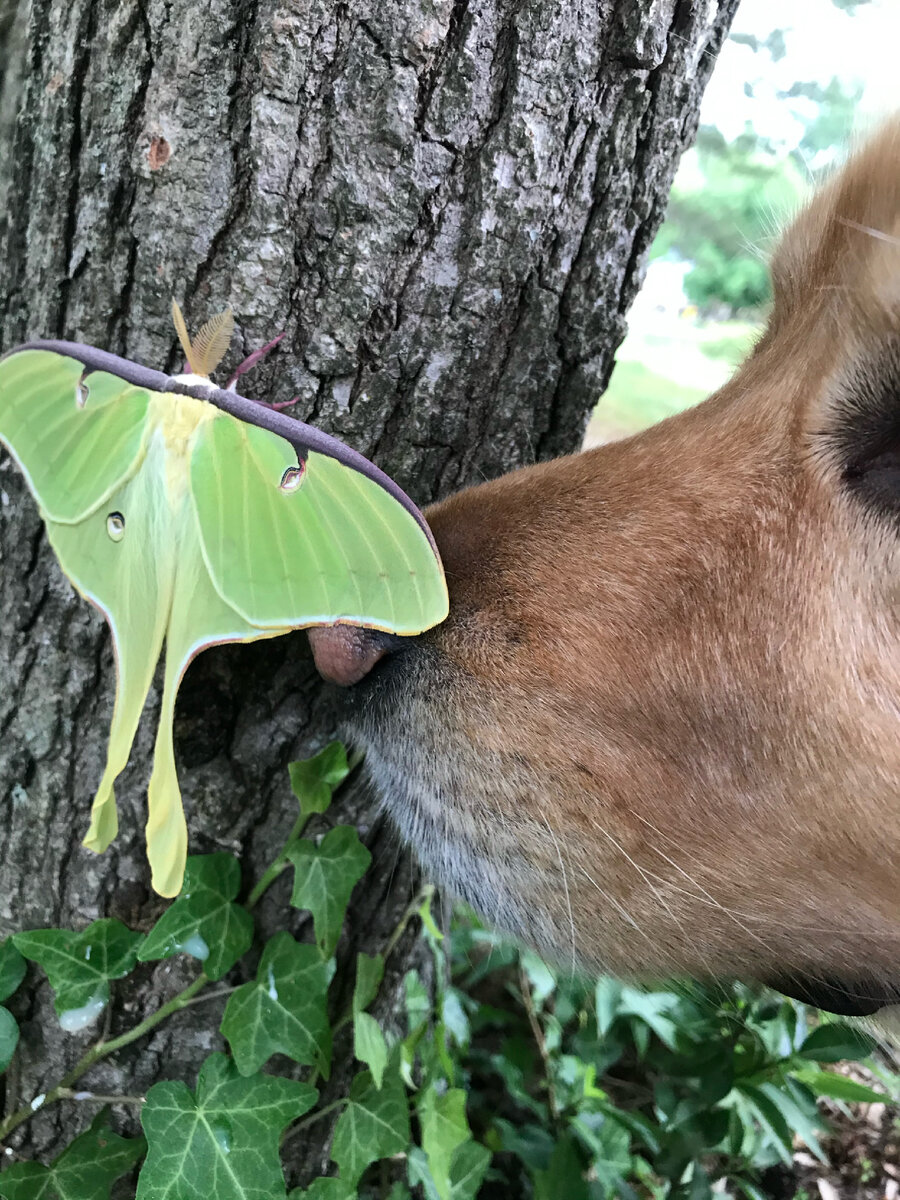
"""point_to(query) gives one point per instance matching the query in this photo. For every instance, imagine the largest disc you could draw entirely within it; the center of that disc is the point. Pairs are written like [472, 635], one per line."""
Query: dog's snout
[345, 654]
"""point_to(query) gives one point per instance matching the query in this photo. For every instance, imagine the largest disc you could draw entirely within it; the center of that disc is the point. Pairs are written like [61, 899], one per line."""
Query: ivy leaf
[12, 968]
[315, 779]
[9, 1037]
[468, 1168]
[369, 1045]
[374, 1125]
[456, 1164]
[221, 1142]
[325, 1189]
[85, 1170]
[444, 1127]
[203, 921]
[418, 1002]
[283, 1011]
[80, 965]
[369, 974]
[12, 972]
[324, 877]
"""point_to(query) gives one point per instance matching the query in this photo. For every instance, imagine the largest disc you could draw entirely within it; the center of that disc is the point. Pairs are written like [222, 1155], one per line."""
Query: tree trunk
[447, 205]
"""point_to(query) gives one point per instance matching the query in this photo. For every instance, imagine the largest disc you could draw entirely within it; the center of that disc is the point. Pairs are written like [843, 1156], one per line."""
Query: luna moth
[192, 516]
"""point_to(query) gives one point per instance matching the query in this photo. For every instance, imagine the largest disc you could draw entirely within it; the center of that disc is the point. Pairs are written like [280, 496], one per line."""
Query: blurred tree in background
[724, 214]
[731, 196]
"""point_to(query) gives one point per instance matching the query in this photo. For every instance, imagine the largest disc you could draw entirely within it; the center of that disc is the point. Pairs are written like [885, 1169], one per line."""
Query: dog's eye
[866, 429]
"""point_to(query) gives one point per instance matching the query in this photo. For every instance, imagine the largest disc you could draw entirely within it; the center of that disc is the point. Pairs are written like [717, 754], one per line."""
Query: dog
[659, 732]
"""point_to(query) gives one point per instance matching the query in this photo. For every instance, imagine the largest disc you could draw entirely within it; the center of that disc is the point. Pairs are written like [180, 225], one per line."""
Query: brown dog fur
[660, 730]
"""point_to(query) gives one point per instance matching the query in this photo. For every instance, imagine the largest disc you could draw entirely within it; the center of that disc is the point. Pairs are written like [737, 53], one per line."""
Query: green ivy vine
[222, 1138]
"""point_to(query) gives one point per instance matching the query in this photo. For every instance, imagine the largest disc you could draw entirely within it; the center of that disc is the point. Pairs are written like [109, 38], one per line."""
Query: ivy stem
[291, 1133]
[215, 995]
[272, 872]
[275, 868]
[69, 1094]
[421, 897]
[424, 894]
[538, 1033]
[101, 1050]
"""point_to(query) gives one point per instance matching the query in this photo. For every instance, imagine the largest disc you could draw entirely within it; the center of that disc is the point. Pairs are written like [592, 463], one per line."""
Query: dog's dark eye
[867, 435]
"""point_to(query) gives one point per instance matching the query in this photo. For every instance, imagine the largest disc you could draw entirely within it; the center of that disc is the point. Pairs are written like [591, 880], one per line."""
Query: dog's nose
[345, 654]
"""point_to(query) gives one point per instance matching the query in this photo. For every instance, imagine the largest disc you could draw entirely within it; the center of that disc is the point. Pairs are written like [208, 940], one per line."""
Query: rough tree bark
[447, 204]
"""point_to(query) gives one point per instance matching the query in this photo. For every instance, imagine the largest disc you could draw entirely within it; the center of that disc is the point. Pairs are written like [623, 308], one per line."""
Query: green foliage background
[732, 197]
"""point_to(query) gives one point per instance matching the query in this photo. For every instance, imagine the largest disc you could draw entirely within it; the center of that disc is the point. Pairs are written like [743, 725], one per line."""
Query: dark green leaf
[833, 1043]
[698, 1187]
[839, 1087]
[203, 920]
[12, 968]
[531, 1142]
[221, 1142]
[639, 1126]
[374, 1124]
[325, 1189]
[86, 1169]
[771, 1120]
[324, 877]
[806, 1124]
[564, 1176]
[80, 966]
[283, 1011]
[315, 779]
[750, 1190]
[369, 973]
[9, 1037]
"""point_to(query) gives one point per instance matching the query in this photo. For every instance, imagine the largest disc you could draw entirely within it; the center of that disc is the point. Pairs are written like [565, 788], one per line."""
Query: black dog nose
[345, 654]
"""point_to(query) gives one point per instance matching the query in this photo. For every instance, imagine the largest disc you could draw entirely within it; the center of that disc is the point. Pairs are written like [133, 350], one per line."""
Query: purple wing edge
[301, 436]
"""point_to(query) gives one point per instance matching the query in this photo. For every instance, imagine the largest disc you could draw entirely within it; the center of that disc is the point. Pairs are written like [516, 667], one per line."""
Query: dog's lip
[345, 654]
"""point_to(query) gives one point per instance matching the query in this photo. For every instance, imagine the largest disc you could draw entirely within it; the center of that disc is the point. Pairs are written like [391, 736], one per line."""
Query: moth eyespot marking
[82, 391]
[115, 526]
[292, 478]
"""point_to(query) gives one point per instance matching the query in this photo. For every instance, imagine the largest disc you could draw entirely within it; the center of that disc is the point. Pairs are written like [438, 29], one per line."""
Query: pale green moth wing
[193, 516]
[338, 547]
[74, 443]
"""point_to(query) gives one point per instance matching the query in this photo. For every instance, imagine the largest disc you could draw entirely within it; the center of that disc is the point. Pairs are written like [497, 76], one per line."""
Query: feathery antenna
[209, 347]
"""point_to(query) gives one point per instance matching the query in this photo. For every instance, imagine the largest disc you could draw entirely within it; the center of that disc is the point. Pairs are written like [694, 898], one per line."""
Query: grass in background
[663, 367]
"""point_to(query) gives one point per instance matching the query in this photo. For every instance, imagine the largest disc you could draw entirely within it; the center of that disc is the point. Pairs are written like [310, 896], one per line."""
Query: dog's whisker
[568, 897]
[647, 877]
[879, 234]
